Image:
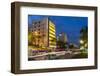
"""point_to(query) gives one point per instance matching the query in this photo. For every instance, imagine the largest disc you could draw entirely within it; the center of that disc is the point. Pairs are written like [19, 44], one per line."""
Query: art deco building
[44, 33]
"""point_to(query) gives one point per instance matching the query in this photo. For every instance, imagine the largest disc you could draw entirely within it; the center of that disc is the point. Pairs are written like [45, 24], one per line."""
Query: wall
[5, 33]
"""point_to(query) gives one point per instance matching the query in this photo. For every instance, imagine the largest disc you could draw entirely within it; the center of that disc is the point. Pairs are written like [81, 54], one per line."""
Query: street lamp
[81, 41]
[82, 48]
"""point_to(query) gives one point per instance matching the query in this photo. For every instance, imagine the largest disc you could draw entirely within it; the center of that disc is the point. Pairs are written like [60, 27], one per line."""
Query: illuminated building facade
[52, 34]
[44, 33]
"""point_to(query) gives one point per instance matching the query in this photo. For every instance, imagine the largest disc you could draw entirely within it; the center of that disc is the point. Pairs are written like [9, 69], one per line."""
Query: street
[56, 55]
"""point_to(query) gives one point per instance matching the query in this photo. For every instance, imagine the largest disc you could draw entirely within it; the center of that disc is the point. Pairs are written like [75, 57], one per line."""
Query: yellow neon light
[51, 22]
[52, 26]
[52, 35]
[51, 32]
[52, 29]
[52, 46]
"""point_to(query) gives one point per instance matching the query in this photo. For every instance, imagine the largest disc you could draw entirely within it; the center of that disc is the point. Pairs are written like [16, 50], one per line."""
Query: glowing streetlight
[81, 41]
[82, 48]
[86, 45]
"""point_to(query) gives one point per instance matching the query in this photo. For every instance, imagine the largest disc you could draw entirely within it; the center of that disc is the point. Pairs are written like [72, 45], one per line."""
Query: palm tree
[84, 33]
[30, 38]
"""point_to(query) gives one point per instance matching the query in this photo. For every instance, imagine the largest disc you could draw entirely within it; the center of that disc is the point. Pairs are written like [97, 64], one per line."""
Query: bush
[81, 55]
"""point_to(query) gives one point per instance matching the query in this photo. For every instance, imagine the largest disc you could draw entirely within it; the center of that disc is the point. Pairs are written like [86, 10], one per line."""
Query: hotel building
[44, 33]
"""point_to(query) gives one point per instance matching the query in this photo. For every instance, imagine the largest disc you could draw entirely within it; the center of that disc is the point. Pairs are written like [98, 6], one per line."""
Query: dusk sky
[70, 25]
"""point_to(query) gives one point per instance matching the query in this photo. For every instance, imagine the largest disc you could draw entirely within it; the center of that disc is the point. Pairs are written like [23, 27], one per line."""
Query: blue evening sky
[70, 25]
